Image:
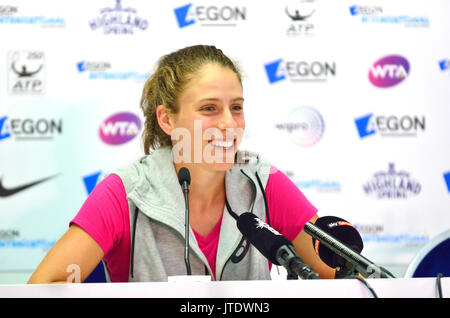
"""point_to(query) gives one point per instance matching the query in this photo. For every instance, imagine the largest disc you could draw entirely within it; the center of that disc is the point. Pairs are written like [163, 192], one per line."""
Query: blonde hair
[165, 85]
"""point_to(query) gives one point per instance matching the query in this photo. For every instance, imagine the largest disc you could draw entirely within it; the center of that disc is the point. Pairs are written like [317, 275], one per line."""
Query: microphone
[343, 231]
[274, 246]
[338, 243]
[184, 177]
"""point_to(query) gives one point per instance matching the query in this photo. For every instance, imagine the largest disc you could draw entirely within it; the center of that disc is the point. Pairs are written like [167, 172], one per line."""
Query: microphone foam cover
[184, 175]
[341, 230]
[262, 236]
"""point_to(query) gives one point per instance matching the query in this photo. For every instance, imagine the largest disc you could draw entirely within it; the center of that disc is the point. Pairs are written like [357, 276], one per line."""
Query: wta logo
[119, 128]
[389, 71]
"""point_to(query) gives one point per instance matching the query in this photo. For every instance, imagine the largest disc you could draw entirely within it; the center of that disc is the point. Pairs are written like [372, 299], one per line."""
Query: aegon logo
[29, 128]
[209, 16]
[301, 71]
[119, 128]
[393, 126]
[389, 71]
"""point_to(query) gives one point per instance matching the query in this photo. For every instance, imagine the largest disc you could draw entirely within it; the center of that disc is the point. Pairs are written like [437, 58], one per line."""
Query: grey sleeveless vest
[157, 208]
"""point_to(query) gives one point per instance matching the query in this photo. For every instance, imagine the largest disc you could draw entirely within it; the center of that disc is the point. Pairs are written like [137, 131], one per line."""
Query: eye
[208, 108]
[237, 108]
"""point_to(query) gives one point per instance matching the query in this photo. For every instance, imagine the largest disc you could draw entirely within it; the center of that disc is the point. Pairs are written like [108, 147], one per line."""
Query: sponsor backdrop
[350, 99]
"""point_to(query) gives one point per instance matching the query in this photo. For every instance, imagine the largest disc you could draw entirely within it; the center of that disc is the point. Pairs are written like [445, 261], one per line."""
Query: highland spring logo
[389, 71]
[118, 20]
[392, 184]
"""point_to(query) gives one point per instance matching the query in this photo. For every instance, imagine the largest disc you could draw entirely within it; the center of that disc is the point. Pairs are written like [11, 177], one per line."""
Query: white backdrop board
[350, 99]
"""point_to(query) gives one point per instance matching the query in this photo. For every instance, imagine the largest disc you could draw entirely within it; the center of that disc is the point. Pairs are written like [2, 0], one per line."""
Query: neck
[207, 187]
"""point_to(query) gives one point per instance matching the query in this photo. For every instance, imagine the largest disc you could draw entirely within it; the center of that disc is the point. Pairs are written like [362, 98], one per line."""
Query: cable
[438, 285]
[365, 283]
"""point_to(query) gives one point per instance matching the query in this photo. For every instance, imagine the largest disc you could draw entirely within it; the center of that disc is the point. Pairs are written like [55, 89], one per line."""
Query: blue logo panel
[4, 128]
[181, 13]
[273, 71]
[447, 180]
[363, 124]
[91, 181]
[81, 66]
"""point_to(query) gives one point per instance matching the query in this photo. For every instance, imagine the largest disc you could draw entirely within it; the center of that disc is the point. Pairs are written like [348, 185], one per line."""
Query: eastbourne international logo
[377, 15]
[392, 184]
[118, 20]
[12, 15]
[26, 72]
[389, 71]
[103, 70]
[299, 71]
[305, 126]
[209, 16]
[120, 128]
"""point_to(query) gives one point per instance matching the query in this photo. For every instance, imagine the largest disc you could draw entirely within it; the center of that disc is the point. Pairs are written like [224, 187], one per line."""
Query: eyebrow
[212, 99]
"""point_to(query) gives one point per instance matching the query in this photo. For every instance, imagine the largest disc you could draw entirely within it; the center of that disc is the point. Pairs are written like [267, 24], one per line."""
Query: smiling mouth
[225, 144]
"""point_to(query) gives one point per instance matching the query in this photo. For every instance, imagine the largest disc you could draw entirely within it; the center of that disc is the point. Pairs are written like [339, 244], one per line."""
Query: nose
[226, 120]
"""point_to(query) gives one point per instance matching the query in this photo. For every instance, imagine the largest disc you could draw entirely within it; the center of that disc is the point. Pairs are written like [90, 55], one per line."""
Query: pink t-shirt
[105, 217]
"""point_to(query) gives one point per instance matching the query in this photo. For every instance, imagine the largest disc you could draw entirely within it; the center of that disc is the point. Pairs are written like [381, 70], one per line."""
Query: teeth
[222, 143]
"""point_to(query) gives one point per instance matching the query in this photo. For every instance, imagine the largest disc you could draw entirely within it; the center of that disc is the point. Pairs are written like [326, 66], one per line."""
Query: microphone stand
[360, 264]
[289, 259]
[186, 229]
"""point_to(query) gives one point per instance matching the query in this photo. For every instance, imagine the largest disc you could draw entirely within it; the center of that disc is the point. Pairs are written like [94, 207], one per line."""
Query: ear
[165, 120]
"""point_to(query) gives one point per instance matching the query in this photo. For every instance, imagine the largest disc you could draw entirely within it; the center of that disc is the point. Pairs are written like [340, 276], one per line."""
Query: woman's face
[210, 122]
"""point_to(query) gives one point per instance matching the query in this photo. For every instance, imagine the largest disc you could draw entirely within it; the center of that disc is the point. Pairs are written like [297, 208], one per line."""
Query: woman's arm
[304, 247]
[71, 259]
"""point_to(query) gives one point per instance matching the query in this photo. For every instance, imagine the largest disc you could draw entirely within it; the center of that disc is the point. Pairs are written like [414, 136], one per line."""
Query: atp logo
[26, 72]
[389, 71]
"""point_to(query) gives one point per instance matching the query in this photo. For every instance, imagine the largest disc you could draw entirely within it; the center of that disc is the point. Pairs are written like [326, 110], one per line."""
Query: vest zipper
[235, 216]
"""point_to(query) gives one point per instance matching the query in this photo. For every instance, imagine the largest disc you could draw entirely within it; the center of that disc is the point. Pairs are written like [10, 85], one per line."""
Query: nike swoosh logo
[6, 192]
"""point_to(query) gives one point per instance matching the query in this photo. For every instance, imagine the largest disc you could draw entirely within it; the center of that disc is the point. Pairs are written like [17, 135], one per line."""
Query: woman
[134, 219]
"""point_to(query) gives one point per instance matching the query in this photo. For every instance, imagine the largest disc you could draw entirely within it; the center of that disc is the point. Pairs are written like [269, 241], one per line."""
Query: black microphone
[184, 177]
[274, 246]
[339, 244]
